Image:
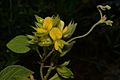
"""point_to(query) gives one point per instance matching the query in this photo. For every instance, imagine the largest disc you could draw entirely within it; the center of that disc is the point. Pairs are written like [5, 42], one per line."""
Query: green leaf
[56, 20]
[64, 72]
[61, 25]
[15, 72]
[65, 63]
[19, 44]
[56, 77]
[67, 48]
[38, 24]
[70, 31]
[39, 19]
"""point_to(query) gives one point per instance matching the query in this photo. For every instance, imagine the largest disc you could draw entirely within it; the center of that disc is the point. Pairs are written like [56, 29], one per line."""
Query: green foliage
[15, 72]
[64, 72]
[56, 77]
[71, 30]
[67, 48]
[19, 44]
[39, 19]
[65, 63]
[52, 34]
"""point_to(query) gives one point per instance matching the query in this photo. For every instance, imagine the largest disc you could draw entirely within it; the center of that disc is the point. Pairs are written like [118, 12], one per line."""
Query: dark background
[95, 57]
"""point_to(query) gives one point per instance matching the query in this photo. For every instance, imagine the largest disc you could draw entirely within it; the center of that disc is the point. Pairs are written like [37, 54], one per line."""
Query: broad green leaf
[21, 78]
[19, 44]
[56, 77]
[15, 72]
[64, 72]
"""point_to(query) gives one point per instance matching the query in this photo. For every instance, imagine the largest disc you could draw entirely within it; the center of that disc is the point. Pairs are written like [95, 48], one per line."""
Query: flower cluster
[52, 31]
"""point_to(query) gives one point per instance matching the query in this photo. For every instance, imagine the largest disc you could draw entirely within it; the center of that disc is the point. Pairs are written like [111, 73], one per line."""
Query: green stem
[49, 54]
[100, 12]
[39, 53]
[41, 71]
[85, 33]
[48, 72]
[42, 65]
[101, 15]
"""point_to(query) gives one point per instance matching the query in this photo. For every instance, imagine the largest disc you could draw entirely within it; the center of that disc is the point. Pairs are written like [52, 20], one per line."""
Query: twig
[39, 53]
[41, 71]
[49, 54]
[48, 72]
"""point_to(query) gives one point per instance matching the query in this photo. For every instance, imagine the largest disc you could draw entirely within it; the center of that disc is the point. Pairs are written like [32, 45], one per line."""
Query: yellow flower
[47, 25]
[56, 35]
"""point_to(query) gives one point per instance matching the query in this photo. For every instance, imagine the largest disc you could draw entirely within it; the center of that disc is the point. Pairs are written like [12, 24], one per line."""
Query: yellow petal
[47, 24]
[40, 30]
[55, 34]
[65, 29]
[56, 45]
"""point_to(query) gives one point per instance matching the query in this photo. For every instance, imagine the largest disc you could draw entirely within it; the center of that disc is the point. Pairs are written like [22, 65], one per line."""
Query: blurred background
[95, 57]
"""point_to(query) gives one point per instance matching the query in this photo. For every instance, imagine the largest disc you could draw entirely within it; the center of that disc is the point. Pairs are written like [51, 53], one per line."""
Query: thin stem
[42, 64]
[41, 71]
[39, 53]
[85, 33]
[46, 66]
[101, 15]
[100, 12]
[48, 72]
[45, 51]
[49, 54]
